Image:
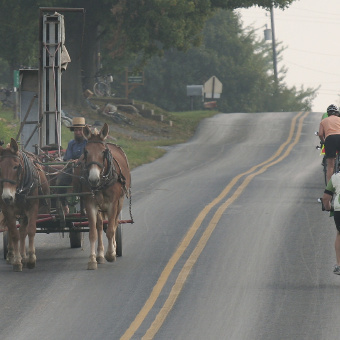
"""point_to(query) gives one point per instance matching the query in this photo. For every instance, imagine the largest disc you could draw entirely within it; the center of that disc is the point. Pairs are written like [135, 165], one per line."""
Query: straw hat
[77, 122]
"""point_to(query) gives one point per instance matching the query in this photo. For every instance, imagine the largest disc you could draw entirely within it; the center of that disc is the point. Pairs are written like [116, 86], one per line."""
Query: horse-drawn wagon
[101, 177]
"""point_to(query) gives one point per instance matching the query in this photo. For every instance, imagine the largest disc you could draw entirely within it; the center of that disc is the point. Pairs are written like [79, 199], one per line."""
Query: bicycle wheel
[337, 163]
[100, 89]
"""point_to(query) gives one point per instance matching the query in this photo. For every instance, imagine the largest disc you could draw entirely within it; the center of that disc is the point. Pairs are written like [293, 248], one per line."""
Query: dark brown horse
[21, 177]
[105, 172]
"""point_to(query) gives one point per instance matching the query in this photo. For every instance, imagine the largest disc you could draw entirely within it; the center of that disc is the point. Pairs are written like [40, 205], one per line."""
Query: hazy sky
[310, 30]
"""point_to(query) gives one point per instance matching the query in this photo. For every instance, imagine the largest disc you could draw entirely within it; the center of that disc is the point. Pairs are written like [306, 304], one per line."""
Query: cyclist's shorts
[337, 220]
[332, 144]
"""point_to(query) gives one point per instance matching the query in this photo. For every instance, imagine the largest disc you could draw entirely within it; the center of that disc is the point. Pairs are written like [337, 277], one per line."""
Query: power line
[292, 18]
[312, 69]
[310, 52]
[327, 90]
[310, 10]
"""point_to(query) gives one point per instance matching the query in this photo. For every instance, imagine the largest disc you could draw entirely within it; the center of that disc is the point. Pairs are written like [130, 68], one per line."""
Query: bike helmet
[332, 109]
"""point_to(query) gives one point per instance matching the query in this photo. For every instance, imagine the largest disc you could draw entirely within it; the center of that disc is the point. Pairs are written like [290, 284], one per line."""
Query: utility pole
[273, 44]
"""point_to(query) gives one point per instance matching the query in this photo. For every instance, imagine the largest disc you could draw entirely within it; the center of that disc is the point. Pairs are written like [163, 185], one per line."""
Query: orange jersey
[330, 126]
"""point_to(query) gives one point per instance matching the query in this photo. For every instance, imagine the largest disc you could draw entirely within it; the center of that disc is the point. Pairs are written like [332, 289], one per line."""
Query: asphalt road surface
[229, 242]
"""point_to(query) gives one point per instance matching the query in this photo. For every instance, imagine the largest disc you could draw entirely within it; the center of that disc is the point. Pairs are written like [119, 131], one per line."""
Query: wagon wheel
[119, 245]
[5, 243]
[75, 237]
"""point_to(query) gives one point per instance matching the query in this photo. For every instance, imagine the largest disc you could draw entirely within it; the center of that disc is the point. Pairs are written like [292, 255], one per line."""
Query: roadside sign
[212, 88]
[132, 80]
[16, 79]
[135, 79]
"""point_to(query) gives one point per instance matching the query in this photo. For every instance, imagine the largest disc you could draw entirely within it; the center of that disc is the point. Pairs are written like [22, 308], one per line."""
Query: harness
[111, 176]
[27, 179]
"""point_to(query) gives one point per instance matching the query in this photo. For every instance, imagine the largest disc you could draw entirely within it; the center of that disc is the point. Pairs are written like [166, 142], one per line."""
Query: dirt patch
[128, 124]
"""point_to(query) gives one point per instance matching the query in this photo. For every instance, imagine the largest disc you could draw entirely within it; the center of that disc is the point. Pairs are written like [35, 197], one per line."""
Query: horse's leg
[23, 234]
[100, 248]
[91, 214]
[32, 228]
[13, 234]
[10, 252]
[9, 245]
[111, 231]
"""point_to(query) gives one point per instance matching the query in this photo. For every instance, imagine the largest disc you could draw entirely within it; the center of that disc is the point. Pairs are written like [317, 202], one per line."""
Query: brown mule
[20, 177]
[105, 172]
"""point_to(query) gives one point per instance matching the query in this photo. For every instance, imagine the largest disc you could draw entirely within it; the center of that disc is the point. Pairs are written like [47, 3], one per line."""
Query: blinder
[5, 180]
[111, 174]
[105, 155]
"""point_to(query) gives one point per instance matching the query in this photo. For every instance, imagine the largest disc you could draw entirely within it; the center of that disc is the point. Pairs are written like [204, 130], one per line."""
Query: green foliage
[233, 4]
[186, 122]
[140, 153]
[142, 29]
[19, 33]
[5, 74]
[66, 136]
[130, 32]
[9, 127]
[242, 64]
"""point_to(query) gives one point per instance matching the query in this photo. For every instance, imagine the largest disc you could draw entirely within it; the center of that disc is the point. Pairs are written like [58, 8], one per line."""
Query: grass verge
[142, 142]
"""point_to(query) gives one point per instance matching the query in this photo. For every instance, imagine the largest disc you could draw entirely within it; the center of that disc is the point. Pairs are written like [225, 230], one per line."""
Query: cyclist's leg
[337, 239]
[330, 168]
[330, 151]
[337, 163]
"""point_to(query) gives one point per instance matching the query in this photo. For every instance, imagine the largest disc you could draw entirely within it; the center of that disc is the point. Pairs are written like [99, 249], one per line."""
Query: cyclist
[333, 187]
[325, 115]
[329, 134]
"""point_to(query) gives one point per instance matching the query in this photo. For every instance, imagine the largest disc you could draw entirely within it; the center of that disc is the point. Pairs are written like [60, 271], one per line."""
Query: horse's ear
[86, 132]
[14, 146]
[104, 131]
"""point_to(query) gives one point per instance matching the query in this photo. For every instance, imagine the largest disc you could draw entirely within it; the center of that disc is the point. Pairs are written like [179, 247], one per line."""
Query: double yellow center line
[279, 155]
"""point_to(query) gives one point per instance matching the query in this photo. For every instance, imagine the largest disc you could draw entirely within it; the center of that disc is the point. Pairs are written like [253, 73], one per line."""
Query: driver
[74, 150]
[329, 134]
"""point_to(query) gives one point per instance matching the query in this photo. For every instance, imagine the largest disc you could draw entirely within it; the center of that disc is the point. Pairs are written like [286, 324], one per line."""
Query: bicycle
[102, 86]
[324, 160]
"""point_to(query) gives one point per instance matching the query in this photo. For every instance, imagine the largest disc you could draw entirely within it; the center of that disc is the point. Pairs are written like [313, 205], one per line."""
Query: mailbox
[194, 90]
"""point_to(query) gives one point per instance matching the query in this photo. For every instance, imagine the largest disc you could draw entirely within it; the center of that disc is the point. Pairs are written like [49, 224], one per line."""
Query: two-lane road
[229, 242]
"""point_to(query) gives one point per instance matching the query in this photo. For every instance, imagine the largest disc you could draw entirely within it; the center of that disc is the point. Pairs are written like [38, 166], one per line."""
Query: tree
[127, 30]
[240, 62]
[19, 35]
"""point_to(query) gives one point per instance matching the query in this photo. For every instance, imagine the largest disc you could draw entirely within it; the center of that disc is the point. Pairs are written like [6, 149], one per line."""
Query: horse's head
[95, 153]
[10, 171]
